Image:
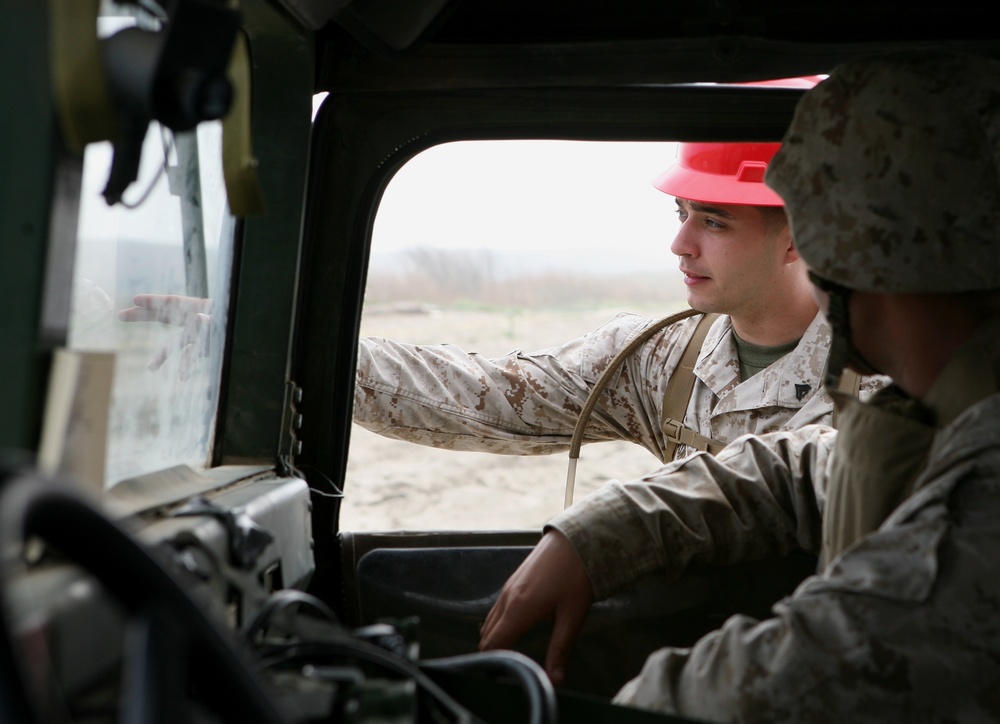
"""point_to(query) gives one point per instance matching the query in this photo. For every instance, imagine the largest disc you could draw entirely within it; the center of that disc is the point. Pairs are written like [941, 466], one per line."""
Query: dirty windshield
[167, 245]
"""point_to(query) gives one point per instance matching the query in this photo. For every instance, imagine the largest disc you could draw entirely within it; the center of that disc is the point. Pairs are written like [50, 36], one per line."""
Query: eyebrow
[706, 208]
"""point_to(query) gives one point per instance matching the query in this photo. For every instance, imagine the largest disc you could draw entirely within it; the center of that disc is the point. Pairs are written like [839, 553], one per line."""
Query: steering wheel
[171, 646]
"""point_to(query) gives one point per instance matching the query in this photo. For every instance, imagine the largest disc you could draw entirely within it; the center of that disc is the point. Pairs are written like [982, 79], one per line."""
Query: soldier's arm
[760, 496]
[519, 404]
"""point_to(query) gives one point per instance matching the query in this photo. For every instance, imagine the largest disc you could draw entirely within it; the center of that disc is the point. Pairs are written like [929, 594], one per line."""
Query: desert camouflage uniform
[902, 626]
[528, 404]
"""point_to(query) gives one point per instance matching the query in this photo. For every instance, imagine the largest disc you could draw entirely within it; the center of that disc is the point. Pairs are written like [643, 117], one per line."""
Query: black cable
[542, 706]
[280, 601]
[144, 196]
[279, 655]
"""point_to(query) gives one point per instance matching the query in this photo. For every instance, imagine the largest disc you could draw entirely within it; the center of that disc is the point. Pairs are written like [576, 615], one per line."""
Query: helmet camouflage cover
[890, 172]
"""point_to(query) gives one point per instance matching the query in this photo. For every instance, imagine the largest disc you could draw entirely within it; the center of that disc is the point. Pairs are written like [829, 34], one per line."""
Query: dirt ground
[393, 485]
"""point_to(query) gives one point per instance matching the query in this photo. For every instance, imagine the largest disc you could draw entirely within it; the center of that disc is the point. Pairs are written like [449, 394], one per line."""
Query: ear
[791, 254]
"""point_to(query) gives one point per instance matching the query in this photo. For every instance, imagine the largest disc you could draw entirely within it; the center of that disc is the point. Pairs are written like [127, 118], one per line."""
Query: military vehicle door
[448, 578]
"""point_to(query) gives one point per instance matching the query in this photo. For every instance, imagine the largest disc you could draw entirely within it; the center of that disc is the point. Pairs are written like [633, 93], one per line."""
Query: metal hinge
[291, 425]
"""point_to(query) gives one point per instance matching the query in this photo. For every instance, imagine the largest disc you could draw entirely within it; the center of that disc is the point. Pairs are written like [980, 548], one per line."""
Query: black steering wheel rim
[32, 506]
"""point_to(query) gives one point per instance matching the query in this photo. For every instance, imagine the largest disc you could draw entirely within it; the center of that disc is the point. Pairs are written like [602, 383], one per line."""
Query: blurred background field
[497, 245]
[448, 296]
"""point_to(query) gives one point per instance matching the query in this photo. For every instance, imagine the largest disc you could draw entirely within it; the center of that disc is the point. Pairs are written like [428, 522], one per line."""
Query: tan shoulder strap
[678, 396]
[849, 384]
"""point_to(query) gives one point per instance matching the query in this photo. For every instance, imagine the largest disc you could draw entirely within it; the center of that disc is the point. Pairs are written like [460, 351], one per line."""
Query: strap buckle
[675, 432]
[672, 431]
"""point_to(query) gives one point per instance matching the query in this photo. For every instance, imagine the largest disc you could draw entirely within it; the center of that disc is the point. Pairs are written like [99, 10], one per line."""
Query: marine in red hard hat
[734, 246]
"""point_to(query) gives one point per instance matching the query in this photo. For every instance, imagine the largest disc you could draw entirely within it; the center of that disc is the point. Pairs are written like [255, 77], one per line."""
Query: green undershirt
[754, 357]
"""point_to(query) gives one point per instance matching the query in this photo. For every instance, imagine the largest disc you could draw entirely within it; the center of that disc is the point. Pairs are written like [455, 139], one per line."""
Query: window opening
[495, 246]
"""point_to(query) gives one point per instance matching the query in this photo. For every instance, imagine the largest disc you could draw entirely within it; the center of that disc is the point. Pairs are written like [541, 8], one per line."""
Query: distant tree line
[457, 277]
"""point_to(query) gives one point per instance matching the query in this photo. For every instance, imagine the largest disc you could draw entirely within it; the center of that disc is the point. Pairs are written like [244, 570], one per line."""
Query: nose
[684, 243]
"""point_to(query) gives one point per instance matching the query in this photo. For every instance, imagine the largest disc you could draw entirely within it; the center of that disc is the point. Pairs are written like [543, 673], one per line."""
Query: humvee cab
[172, 488]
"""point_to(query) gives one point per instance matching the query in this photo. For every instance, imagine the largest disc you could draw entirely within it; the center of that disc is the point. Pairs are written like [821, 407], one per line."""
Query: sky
[590, 205]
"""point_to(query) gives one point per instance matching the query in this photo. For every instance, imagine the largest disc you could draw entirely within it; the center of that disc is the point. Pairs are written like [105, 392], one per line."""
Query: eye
[682, 214]
[713, 224]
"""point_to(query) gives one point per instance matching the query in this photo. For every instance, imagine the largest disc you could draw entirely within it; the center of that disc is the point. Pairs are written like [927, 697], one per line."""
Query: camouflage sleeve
[760, 496]
[900, 628]
[520, 404]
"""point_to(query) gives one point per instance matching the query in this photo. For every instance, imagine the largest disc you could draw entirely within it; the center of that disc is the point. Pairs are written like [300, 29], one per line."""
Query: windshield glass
[172, 239]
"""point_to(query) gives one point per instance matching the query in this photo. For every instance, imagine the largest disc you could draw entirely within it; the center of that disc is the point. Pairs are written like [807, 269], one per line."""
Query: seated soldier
[891, 175]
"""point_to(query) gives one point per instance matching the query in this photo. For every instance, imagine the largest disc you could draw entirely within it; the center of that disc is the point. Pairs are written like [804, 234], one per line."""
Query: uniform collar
[972, 375]
[790, 382]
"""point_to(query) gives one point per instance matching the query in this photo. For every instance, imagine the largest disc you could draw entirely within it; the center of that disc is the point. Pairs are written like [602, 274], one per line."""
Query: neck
[780, 323]
[919, 334]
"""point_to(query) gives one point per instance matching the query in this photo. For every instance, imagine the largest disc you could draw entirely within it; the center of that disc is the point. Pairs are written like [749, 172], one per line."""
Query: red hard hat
[727, 173]
[721, 173]
[805, 81]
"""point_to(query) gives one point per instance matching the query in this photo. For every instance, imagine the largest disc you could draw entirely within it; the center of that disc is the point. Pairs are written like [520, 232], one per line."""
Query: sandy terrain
[393, 485]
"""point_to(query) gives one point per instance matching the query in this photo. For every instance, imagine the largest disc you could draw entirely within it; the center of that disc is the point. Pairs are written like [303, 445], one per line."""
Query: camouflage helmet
[890, 172]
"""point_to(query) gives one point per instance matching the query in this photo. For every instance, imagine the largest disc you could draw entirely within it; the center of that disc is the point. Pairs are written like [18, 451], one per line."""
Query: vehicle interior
[171, 490]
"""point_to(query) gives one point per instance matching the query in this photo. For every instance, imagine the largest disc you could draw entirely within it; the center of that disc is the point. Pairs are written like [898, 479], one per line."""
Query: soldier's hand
[551, 584]
[171, 309]
[191, 314]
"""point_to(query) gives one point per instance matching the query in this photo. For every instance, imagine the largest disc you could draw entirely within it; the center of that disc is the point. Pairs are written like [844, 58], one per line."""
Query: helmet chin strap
[843, 353]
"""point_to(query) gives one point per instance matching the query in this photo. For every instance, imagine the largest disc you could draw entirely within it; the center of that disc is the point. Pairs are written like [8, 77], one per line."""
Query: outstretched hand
[172, 309]
[551, 584]
[192, 314]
